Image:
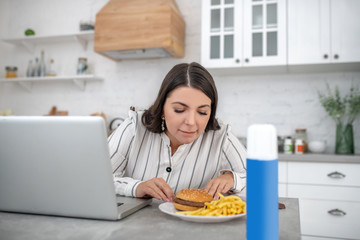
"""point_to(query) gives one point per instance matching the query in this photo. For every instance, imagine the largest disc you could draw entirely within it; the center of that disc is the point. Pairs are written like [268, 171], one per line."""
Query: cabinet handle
[326, 56]
[337, 212]
[336, 56]
[237, 60]
[336, 175]
[246, 60]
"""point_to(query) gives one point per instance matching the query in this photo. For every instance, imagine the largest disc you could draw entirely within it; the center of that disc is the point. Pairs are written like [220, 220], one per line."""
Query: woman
[178, 143]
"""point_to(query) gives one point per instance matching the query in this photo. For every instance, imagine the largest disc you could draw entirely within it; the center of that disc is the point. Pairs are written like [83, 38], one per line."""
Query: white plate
[169, 208]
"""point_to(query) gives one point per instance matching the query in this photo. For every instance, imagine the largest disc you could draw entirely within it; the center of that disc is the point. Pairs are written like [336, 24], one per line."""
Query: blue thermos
[262, 183]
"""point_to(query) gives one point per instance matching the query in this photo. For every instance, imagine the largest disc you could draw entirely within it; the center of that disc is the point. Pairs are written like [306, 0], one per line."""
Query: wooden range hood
[127, 29]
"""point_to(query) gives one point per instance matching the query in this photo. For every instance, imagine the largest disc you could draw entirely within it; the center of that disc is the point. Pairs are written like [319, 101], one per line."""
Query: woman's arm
[120, 143]
[232, 175]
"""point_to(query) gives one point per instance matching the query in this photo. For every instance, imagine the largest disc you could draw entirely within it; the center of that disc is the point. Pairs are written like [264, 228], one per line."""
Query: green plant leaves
[341, 109]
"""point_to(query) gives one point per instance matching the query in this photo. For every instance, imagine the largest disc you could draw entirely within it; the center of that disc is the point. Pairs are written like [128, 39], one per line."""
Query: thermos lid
[262, 142]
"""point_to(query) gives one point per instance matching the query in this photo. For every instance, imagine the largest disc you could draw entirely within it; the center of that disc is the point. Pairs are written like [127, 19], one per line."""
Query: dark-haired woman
[178, 143]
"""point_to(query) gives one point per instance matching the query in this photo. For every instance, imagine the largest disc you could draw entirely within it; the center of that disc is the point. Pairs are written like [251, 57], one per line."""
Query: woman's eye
[203, 113]
[178, 110]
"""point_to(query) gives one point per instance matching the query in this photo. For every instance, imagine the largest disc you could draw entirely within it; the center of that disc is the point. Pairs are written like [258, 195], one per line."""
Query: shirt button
[168, 169]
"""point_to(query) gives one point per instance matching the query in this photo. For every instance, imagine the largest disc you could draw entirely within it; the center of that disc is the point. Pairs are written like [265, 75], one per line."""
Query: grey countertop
[148, 223]
[323, 158]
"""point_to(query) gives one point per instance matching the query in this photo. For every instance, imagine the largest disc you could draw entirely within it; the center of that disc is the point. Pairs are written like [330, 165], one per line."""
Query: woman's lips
[188, 132]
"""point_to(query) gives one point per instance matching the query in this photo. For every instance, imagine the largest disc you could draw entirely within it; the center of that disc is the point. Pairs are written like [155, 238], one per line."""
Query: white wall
[288, 101]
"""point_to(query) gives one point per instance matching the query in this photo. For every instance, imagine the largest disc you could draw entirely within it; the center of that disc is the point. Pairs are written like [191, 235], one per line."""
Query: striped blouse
[138, 155]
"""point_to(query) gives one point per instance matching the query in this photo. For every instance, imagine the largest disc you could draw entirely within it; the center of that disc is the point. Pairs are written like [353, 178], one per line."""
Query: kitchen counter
[325, 158]
[148, 223]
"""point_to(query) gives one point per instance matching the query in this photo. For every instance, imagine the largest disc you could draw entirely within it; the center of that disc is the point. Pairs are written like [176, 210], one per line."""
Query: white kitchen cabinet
[323, 31]
[237, 33]
[329, 197]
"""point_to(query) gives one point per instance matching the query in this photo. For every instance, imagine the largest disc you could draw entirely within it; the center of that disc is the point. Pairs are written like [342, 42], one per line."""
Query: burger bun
[191, 199]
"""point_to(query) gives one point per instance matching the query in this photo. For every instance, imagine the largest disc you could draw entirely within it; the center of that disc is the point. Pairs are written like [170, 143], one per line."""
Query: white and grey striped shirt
[138, 155]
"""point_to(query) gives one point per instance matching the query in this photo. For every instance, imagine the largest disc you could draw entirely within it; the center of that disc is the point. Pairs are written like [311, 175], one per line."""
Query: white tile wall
[288, 101]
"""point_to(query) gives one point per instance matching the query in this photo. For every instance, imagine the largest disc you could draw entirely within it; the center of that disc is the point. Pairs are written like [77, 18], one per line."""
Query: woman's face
[187, 112]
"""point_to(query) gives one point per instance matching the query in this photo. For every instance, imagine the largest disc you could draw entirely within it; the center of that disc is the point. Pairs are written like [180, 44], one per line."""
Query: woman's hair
[182, 75]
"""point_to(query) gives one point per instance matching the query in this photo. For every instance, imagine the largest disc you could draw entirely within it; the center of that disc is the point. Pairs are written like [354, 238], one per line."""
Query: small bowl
[317, 146]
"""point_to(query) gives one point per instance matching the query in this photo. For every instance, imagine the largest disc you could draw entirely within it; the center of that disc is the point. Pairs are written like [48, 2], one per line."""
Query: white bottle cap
[262, 142]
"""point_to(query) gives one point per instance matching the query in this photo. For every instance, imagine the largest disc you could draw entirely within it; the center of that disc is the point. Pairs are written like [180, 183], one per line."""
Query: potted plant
[344, 111]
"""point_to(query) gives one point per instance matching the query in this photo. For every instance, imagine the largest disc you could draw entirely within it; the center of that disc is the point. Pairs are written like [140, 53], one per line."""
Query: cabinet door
[309, 31]
[323, 31]
[221, 33]
[264, 32]
[345, 30]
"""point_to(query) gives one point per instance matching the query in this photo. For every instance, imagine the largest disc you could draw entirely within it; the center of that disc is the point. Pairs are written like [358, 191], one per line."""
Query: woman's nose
[190, 118]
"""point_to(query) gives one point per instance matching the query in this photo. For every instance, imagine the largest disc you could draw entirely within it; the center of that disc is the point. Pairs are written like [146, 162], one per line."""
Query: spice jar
[11, 72]
[300, 133]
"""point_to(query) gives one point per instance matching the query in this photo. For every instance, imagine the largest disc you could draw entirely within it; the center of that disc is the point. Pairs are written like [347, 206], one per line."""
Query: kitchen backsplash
[288, 101]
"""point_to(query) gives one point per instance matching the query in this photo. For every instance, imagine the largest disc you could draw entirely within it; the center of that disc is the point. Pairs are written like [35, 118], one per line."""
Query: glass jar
[281, 142]
[300, 133]
[11, 72]
[82, 66]
[51, 72]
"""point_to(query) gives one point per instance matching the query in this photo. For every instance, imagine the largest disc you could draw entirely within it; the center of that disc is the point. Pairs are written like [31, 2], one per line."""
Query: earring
[163, 123]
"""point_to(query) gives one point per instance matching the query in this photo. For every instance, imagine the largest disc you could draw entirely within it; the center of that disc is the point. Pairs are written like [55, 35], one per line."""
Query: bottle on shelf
[36, 68]
[51, 72]
[42, 66]
[30, 69]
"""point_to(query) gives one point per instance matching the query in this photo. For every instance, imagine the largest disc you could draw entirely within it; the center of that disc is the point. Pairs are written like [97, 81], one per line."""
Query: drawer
[282, 166]
[317, 221]
[340, 174]
[323, 192]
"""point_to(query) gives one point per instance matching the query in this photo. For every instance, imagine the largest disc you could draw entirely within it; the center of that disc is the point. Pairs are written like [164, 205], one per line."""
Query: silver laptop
[59, 166]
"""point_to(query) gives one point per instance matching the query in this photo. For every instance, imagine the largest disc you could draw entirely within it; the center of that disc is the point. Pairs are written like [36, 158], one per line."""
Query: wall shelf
[27, 82]
[29, 42]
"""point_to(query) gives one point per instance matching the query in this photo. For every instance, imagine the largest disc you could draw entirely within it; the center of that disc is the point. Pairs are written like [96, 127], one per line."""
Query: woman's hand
[157, 188]
[221, 184]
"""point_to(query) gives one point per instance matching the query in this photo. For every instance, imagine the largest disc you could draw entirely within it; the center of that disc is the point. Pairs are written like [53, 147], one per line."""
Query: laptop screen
[56, 166]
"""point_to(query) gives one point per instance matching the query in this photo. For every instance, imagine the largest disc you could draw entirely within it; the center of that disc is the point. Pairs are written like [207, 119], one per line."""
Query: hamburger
[191, 199]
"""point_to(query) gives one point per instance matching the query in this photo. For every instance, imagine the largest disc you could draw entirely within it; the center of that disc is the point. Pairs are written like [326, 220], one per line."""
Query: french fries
[225, 206]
